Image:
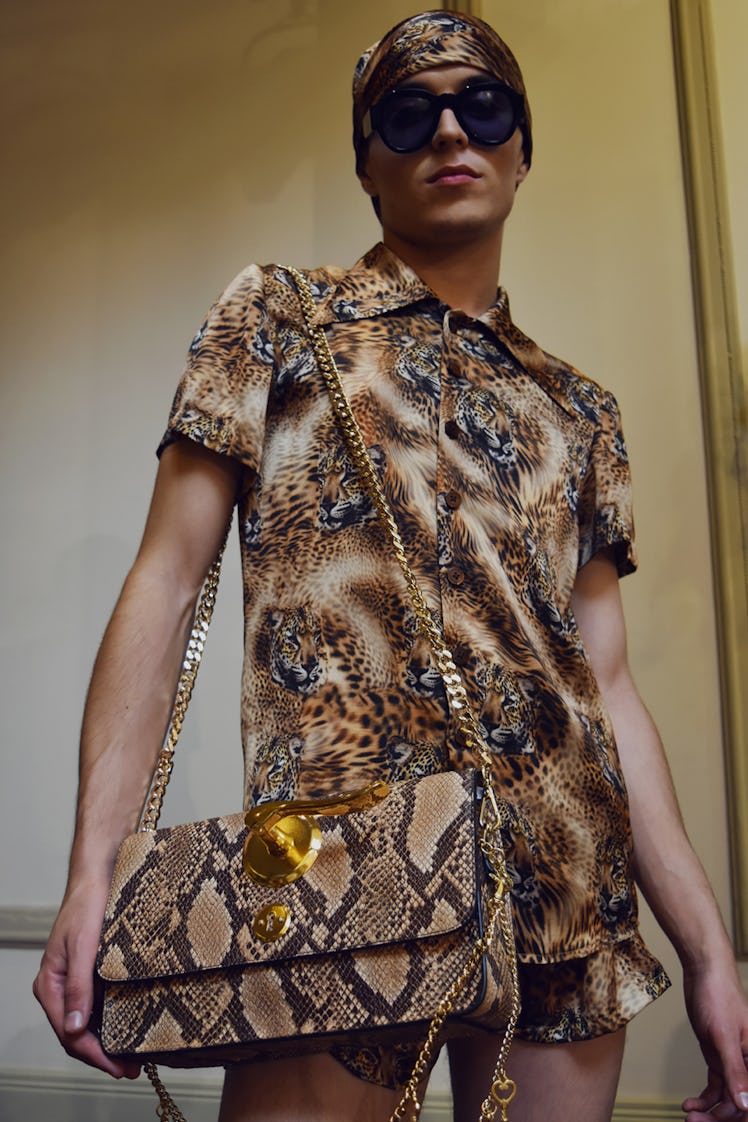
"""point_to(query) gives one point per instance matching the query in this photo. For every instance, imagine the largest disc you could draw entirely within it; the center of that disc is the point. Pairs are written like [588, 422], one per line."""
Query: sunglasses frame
[440, 102]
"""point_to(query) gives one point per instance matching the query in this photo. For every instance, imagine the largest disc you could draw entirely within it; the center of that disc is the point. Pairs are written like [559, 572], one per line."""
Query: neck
[463, 276]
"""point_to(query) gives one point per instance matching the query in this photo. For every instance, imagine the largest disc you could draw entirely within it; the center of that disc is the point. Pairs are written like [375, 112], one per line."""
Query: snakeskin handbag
[374, 916]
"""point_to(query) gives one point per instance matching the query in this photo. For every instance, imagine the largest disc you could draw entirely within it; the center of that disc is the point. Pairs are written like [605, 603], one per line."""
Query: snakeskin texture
[381, 925]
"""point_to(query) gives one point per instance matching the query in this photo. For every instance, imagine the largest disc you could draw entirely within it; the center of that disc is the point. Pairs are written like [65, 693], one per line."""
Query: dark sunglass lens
[488, 113]
[405, 120]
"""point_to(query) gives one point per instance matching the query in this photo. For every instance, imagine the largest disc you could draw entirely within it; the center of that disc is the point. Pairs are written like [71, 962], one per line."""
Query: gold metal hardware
[191, 664]
[284, 837]
[271, 922]
[167, 1109]
[502, 1093]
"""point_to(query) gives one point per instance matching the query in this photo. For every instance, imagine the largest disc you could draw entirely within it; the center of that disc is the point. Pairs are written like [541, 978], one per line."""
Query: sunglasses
[407, 117]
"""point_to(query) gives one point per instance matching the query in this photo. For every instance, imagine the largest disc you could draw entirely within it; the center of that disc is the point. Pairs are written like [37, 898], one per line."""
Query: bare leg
[563, 1082]
[302, 1089]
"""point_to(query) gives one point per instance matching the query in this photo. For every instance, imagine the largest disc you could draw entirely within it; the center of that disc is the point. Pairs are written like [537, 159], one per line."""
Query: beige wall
[155, 149]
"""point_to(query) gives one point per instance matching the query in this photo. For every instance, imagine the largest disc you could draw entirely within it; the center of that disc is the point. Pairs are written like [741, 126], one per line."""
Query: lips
[453, 174]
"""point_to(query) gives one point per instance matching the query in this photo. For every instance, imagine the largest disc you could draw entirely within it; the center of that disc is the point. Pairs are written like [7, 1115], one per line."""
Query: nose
[449, 131]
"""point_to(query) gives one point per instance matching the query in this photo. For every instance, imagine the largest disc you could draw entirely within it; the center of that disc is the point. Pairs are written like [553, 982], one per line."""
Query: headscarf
[435, 38]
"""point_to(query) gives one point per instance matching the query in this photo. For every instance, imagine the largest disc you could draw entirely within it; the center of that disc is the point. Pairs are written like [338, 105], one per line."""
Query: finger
[733, 1074]
[703, 1103]
[737, 1083]
[61, 994]
[49, 991]
[725, 1112]
[87, 1048]
[709, 1097]
[79, 985]
[77, 1039]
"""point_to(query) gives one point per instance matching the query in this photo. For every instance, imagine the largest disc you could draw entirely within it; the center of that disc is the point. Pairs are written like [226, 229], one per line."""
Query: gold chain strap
[503, 1088]
[458, 700]
[167, 1110]
[187, 677]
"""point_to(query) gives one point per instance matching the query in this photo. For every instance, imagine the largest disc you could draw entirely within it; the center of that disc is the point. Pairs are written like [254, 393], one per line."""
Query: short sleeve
[605, 506]
[221, 399]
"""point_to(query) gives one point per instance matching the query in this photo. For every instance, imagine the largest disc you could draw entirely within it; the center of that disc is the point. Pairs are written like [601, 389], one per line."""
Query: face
[451, 190]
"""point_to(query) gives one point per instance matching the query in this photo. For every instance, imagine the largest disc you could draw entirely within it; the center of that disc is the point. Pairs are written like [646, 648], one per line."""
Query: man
[508, 473]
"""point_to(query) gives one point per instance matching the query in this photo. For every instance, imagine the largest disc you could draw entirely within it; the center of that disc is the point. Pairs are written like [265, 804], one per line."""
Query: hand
[64, 984]
[718, 1011]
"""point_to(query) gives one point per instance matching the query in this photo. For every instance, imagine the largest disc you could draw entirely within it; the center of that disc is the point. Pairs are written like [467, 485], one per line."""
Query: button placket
[449, 498]
[455, 373]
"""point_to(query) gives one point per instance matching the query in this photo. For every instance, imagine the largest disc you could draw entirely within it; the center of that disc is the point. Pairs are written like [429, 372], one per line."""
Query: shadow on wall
[138, 103]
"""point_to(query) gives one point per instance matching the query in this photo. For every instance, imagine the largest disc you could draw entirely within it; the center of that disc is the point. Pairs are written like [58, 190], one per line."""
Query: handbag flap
[180, 900]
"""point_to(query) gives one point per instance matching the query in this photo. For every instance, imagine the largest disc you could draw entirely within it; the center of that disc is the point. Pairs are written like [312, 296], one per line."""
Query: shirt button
[452, 429]
[455, 575]
[453, 499]
[454, 368]
[461, 654]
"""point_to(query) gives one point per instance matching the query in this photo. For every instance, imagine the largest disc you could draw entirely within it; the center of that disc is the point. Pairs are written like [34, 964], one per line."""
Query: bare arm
[128, 705]
[667, 869]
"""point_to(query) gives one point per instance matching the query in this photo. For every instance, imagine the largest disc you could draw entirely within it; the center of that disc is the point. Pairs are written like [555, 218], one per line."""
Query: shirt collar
[378, 283]
[381, 282]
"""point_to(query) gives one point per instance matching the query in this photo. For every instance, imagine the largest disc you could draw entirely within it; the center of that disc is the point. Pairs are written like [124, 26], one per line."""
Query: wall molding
[724, 394]
[26, 927]
[69, 1097]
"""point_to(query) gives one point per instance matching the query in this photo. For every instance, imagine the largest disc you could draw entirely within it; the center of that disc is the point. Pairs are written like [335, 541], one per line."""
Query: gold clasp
[271, 923]
[284, 837]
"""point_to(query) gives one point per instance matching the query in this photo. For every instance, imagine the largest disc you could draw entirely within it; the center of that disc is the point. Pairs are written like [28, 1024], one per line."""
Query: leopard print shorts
[561, 1002]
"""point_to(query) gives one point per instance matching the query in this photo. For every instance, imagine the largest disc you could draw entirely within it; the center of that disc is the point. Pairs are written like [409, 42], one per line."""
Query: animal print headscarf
[433, 39]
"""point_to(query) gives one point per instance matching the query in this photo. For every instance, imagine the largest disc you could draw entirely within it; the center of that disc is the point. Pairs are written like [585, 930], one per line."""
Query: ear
[367, 182]
[523, 169]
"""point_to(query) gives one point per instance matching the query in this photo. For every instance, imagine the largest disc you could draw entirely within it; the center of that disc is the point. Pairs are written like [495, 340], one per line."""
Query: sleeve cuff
[214, 433]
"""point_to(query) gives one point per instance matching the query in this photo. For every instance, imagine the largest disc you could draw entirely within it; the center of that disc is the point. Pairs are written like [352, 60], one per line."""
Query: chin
[453, 230]
[453, 226]
[460, 221]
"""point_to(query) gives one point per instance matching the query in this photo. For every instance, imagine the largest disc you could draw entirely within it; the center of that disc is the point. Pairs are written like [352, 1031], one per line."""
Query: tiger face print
[296, 660]
[600, 745]
[418, 364]
[479, 414]
[507, 716]
[343, 499]
[615, 899]
[412, 760]
[297, 363]
[421, 674]
[277, 769]
[540, 587]
[251, 524]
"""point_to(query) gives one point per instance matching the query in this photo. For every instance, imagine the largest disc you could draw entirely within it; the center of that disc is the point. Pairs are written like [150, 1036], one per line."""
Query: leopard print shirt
[508, 471]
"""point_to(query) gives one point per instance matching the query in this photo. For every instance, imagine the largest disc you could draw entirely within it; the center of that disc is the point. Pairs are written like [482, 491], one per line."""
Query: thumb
[739, 1096]
[736, 1079]
[78, 1005]
[78, 989]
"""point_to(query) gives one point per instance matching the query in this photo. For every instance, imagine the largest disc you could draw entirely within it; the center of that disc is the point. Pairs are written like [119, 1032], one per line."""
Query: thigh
[302, 1089]
[564, 1082]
